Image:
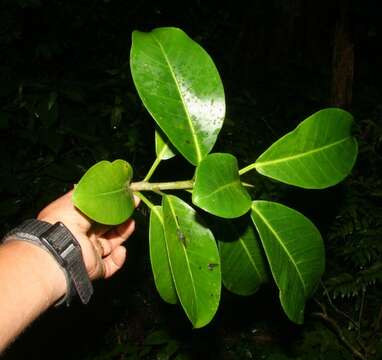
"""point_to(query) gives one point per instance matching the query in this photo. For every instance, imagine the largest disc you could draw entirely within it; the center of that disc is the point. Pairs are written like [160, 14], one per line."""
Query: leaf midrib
[282, 245]
[230, 184]
[192, 129]
[187, 262]
[250, 257]
[300, 155]
[159, 214]
[122, 189]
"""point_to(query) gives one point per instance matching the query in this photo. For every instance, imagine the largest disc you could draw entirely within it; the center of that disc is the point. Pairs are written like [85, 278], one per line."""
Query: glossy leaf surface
[295, 253]
[103, 192]
[194, 261]
[218, 188]
[181, 88]
[319, 153]
[241, 255]
[162, 148]
[159, 257]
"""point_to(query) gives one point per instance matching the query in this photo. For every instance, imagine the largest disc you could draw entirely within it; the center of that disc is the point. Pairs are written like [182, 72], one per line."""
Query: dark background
[67, 101]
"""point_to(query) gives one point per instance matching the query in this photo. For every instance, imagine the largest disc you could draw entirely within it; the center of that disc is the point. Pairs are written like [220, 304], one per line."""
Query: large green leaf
[159, 257]
[295, 253]
[194, 260]
[162, 147]
[103, 192]
[218, 188]
[242, 260]
[180, 87]
[319, 153]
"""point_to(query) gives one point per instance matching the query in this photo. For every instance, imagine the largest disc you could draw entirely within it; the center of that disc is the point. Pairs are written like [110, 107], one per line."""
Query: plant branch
[324, 316]
[337, 330]
[152, 169]
[335, 308]
[247, 168]
[172, 185]
[361, 313]
[144, 199]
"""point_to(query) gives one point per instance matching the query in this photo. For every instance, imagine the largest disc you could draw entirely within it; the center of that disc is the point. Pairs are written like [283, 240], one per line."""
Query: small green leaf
[159, 257]
[242, 259]
[319, 153]
[181, 88]
[218, 188]
[162, 147]
[194, 261]
[103, 192]
[295, 252]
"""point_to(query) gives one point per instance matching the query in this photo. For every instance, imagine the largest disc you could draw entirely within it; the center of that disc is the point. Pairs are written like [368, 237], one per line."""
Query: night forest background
[67, 101]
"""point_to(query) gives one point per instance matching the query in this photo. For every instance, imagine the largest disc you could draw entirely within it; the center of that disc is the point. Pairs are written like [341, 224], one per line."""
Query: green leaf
[162, 148]
[319, 153]
[159, 257]
[241, 255]
[295, 253]
[181, 88]
[103, 192]
[218, 188]
[194, 261]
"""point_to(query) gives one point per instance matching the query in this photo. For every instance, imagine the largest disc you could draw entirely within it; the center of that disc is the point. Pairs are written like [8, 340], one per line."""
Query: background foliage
[67, 101]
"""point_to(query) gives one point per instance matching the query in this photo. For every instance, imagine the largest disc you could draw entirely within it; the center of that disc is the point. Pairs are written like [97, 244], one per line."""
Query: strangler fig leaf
[180, 86]
[218, 188]
[159, 257]
[295, 253]
[103, 192]
[319, 153]
[194, 260]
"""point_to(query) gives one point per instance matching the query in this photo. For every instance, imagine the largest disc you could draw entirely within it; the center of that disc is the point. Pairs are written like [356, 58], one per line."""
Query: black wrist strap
[62, 245]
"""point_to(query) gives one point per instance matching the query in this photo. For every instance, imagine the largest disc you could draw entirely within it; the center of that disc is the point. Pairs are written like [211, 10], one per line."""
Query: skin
[31, 281]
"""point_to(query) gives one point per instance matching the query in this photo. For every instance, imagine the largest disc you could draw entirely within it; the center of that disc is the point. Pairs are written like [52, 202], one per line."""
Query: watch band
[63, 246]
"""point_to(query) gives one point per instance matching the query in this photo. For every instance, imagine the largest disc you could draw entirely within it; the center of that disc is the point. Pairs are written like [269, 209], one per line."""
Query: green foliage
[162, 147]
[158, 255]
[319, 153]
[103, 192]
[352, 284]
[218, 189]
[184, 94]
[295, 253]
[194, 260]
[180, 87]
[243, 264]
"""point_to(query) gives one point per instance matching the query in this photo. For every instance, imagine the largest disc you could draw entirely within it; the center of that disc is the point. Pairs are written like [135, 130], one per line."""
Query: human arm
[30, 278]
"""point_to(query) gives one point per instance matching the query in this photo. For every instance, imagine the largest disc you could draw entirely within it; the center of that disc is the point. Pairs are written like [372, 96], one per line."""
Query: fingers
[118, 235]
[114, 261]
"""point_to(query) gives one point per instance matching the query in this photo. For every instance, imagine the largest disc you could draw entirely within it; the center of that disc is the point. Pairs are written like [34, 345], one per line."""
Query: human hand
[101, 246]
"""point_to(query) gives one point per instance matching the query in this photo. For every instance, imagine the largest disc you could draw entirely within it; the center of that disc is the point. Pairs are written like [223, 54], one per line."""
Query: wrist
[64, 251]
[47, 277]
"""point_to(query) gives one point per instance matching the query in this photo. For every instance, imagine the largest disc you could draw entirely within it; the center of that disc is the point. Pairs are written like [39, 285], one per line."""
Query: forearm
[31, 281]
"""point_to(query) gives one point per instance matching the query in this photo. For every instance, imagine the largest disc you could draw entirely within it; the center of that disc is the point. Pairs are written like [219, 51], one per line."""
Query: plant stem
[172, 185]
[145, 199]
[152, 169]
[247, 168]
